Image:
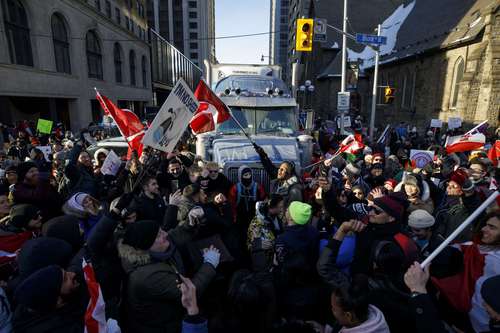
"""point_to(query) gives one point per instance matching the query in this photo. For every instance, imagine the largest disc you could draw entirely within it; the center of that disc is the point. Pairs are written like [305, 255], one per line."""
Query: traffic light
[304, 35]
[389, 93]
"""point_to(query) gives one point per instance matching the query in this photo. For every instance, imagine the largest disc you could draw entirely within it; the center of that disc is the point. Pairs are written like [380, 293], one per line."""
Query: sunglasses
[213, 171]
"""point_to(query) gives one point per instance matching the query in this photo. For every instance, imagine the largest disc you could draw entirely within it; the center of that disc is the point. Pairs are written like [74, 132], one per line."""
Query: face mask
[246, 181]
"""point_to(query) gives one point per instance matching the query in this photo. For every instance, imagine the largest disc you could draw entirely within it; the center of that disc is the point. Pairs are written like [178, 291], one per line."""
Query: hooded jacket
[374, 324]
[153, 302]
[243, 198]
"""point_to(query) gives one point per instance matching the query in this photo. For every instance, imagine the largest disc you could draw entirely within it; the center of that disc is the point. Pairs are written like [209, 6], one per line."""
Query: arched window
[94, 55]
[61, 44]
[458, 74]
[144, 72]
[118, 63]
[132, 67]
[17, 32]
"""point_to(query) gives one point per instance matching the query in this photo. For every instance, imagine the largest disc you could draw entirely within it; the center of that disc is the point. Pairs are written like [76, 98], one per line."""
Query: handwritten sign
[436, 123]
[454, 122]
[111, 164]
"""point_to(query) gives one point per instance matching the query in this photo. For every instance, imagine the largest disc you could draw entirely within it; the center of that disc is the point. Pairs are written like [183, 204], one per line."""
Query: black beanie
[141, 234]
[489, 292]
[42, 252]
[22, 170]
[21, 215]
[41, 289]
[64, 227]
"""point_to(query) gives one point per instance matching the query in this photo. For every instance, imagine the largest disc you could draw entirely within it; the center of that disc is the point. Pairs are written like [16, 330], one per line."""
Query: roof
[412, 27]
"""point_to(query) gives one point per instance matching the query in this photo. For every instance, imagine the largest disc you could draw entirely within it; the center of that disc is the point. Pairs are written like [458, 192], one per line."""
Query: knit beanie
[41, 289]
[300, 212]
[391, 182]
[22, 170]
[390, 205]
[421, 219]
[22, 214]
[489, 292]
[459, 176]
[141, 234]
[410, 180]
[66, 228]
[42, 252]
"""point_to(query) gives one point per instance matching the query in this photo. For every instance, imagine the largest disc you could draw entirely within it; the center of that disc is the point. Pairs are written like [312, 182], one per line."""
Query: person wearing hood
[80, 172]
[263, 231]
[99, 158]
[354, 314]
[153, 263]
[86, 209]
[150, 205]
[243, 196]
[417, 193]
[32, 189]
[57, 307]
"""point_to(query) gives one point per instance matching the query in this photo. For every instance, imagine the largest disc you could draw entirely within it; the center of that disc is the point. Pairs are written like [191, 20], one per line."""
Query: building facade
[54, 52]
[278, 40]
[187, 24]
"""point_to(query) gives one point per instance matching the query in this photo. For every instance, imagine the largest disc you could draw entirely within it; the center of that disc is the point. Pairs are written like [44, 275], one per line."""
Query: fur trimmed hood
[131, 257]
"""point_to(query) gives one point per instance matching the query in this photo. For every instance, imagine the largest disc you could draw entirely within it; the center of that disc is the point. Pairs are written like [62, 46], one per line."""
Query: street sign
[343, 101]
[371, 39]
[319, 30]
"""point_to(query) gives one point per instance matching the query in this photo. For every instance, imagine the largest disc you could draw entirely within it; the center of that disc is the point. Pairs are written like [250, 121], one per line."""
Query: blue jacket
[194, 324]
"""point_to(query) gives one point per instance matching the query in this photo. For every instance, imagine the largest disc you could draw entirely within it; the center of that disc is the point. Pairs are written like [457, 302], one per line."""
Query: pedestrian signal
[389, 93]
[304, 35]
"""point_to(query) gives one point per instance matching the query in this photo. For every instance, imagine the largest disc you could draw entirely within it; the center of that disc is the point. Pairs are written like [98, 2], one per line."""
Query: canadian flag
[128, 123]
[494, 153]
[351, 145]
[210, 112]
[466, 142]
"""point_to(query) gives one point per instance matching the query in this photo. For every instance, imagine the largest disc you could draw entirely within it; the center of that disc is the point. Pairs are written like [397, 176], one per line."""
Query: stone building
[442, 58]
[54, 52]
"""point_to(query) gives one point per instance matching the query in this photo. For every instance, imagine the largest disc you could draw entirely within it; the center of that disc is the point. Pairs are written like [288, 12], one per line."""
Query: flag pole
[337, 153]
[460, 228]
[475, 128]
[105, 107]
[241, 127]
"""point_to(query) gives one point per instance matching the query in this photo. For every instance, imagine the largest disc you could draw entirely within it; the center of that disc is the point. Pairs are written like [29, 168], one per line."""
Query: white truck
[264, 107]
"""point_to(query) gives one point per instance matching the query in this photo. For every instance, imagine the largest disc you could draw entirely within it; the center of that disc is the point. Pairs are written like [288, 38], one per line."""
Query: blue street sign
[371, 39]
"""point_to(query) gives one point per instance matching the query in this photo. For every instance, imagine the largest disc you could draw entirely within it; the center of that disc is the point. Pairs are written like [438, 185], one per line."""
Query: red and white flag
[466, 142]
[351, 145]
[213, 110]
[128, 123]
[95, 316]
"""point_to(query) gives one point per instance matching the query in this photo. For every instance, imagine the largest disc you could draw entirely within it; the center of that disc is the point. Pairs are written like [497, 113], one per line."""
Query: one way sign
[371, 39]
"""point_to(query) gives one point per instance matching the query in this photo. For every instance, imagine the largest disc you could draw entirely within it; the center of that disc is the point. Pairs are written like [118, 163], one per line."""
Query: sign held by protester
[347, 121]
[172, 119]
[421, 157]
[46, 150]
[454, 122]
[436, 123]
[111, 164]
[44, 126]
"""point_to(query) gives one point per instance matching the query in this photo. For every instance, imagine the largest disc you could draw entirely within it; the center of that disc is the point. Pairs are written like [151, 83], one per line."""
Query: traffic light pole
[344, 64]
[375, 87]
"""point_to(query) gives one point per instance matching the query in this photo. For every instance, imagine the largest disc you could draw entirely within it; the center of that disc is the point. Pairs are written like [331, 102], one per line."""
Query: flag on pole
[494, 153]
[466, 142]
[128, 123]
[95, 316]
[351, 146]
[213, 110]
[481, 128]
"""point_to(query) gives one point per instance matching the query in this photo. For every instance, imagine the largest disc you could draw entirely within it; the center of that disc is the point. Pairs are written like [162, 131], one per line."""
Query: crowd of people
[177, 247]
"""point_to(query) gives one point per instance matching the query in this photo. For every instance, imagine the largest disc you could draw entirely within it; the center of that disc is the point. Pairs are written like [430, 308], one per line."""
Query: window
[17, 32]
[144, 72]
[94, 55]
[132, 67]
[132, 25]
[127, 23]
[108, 9]
[192, 4]
[117, 55]
[193, 35]
[408, 90]
[458, 74]
[61, 44]
[194, 55]
[193, 45]
[193, 14]
[193, 25]
[118, 16]
[98, 5]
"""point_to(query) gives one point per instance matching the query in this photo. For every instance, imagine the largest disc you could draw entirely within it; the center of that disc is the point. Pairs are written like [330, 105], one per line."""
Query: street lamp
[306, 90]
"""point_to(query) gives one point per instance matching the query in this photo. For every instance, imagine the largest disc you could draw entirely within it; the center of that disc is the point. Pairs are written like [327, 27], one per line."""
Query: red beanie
[391, 182]
[391, 206]
[459, 176]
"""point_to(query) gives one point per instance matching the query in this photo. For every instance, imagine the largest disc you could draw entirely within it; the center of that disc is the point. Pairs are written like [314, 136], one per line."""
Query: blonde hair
[211, 165]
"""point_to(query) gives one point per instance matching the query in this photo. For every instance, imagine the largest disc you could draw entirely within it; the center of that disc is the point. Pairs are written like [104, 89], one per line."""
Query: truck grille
[259, 175]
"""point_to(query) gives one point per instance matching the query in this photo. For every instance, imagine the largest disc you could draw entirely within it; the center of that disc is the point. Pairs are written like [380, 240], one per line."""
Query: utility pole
[375, 86]
[344, 64]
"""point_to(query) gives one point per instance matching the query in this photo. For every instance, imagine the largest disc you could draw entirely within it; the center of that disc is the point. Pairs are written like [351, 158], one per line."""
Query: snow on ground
[390, 29]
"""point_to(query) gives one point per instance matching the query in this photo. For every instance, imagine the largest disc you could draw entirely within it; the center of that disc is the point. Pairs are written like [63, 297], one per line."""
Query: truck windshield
[275, 121]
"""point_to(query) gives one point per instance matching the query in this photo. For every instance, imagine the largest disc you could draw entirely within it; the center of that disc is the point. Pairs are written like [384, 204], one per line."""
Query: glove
[195, 216]
[211, 256]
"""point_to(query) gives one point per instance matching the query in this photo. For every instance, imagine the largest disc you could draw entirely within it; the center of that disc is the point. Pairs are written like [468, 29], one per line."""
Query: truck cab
[264, 107]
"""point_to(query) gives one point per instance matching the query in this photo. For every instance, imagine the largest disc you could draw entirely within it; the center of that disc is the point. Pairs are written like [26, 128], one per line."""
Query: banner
[46, 150]
[111, 164]
[172, 119]
[421, 157]
[436, 123]
[44, 126]
[454, 122]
